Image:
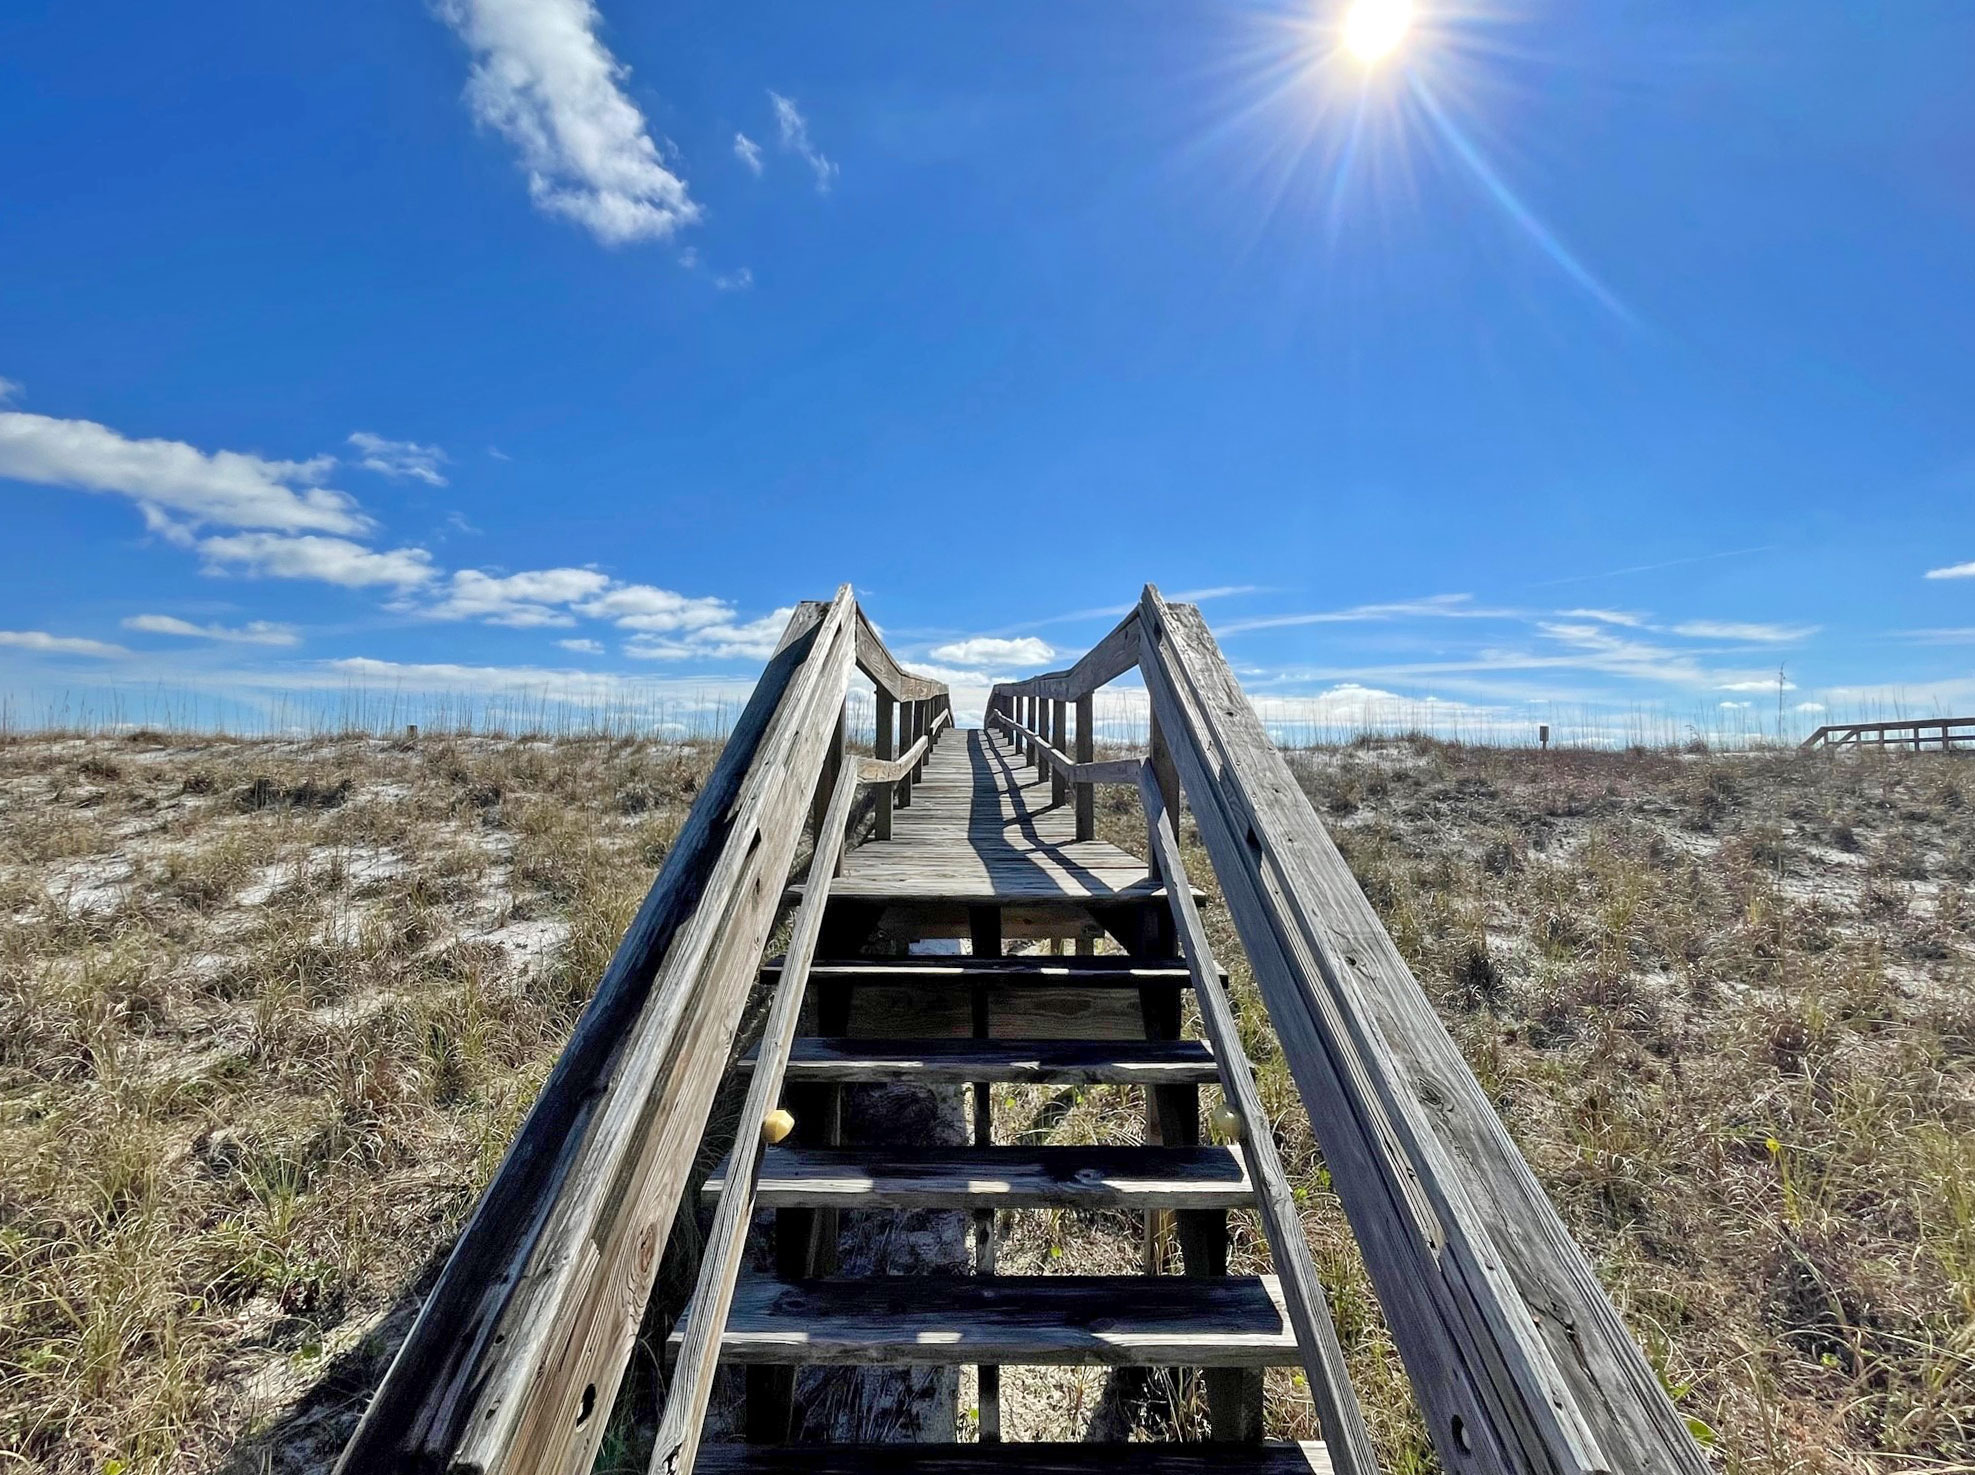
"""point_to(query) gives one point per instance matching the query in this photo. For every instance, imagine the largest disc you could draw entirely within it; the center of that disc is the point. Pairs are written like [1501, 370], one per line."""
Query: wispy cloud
[328, 560]
[1647, 568]
[1953, 571]
[749, 153]
[1438, 606]
[793, 130]
[544, 81]
[1743, 630]
[738, 280]
[1758, 684]
[255, 632]
[170, 479]
[583, 647]
[992, 651]
[1605, 616]
[399, 458]
[10, 389]
[41, 642]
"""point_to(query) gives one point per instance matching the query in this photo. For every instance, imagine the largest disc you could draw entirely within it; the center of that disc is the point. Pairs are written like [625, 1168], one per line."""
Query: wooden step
[997, 1177]
[1121, 1320]
[1033, 970]
[1027, 1062]
[1004, 1459]
[1028, 998]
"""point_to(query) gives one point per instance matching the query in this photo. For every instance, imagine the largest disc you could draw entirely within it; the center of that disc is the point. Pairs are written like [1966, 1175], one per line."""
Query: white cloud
[794, 131]
[544, 81]
[1733, 706]
[1810, 706]
[1605, 616]
[738, 280]
[523, 600]
[656, 611]
[10, 389]
[748, 152]
[1953, 571]
[755, 640]
[400, 458]
[1736, 630]
[60, 645]
[332, 560]
[582, 647]
[988, 651]
[231, 488]
[255, 632]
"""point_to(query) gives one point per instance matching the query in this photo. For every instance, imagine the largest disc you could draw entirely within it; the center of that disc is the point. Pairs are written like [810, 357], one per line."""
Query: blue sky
[1571, 358]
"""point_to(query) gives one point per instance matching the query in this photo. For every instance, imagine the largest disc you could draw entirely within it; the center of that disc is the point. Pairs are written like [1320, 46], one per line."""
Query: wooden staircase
[1079, 958]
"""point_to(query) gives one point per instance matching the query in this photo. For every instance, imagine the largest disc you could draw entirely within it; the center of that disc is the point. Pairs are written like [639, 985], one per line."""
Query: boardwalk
[1074, 963]
[983, 829]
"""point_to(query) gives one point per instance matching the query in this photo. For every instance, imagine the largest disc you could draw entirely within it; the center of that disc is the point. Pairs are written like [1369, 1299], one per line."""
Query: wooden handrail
[1110, 771]
[1346, 1440]
[1844, 734]
[677, 1441]
[878, 663]
[517, 1353]
[1104, 663]
[896, 770]
[1518, 1359]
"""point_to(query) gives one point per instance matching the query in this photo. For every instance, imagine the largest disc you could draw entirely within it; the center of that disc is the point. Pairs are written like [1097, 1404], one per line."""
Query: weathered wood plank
[997, 1177]
[568, 1328]
[1033, 1320]
[1006, 1459]
[1338, 1410]
[1104, 663]
[415, 1418]
[1032, 1062]
[1518, 1358]
[720, 1264]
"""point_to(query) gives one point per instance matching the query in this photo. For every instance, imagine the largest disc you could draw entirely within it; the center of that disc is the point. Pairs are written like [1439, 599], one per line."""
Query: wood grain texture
[1338, 1411]
[567, 1331]
[414, 1420]
[679, 1425]
[997, 1177]
[1034, 1063]
[1007, 1459]
[1519, 1360]
[1121, 1320]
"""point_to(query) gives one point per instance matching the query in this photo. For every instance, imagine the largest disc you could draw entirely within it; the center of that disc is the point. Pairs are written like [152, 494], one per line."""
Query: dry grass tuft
[269, 1014]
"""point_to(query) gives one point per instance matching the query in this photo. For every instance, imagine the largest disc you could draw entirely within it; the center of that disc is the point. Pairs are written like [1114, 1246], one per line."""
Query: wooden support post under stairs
[984, 926]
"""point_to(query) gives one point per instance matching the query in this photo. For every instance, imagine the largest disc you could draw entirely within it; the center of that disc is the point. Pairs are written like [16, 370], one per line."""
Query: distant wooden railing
[518, 1351]
[1947, 734]
[1518, 1359]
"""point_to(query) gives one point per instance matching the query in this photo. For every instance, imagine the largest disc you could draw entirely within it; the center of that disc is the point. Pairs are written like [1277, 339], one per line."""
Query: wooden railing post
[1086, 752]
[883, 746]
[922, 713]
[908, 722]
[1160, 756]
[1035, 726]
[1059, 789]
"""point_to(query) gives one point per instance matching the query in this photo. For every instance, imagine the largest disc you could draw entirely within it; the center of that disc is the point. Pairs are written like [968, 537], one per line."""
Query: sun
[1373, 29]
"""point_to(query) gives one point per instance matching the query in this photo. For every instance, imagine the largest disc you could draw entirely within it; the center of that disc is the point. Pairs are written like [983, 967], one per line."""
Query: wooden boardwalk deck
[982, 830]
